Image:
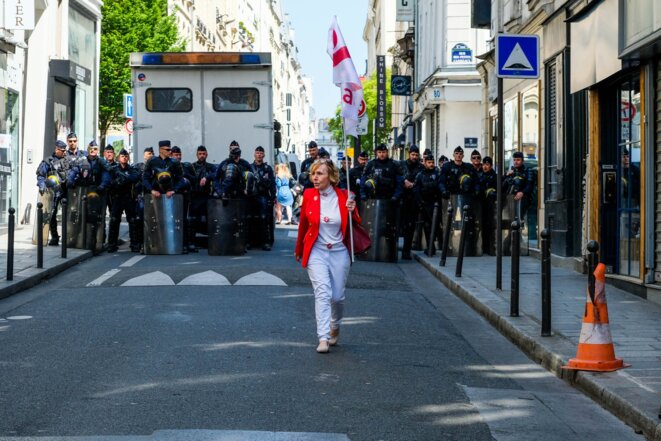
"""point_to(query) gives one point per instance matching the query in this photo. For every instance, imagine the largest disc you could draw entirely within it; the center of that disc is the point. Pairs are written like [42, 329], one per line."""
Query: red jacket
[308, 227]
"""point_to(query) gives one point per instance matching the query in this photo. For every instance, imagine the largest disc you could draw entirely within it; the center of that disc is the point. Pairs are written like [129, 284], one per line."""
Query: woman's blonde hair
[333, 172]
[282, 170]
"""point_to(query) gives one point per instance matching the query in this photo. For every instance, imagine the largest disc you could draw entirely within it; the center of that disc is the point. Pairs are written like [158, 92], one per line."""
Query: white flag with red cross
[346, 78]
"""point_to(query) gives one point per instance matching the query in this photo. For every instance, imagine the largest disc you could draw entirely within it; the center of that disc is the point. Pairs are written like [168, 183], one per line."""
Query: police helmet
[370, 187]
[164, 180]
[92, 195]
[231, 171]
[518, 182]
[250, 181]
[53, 181]
[466, 182]
[491, 194]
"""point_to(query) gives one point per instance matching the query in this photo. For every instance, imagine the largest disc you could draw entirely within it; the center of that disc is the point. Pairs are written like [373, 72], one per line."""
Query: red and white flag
[346, 78]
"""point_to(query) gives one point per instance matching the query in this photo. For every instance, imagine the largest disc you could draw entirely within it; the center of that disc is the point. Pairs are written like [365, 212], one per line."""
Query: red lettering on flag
[348, 96]
[340, 55]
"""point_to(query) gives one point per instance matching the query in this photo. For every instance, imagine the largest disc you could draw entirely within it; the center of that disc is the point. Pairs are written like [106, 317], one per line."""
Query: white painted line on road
[190, 263]
[19, 317]
[260, 278]
[132, 261]
[206, 278]
[241, 258]
[103, 278]
[155, 278]
[292, 233]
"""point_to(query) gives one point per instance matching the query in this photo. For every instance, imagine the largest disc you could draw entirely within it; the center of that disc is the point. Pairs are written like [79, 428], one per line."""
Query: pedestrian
[320, 248]
[285, 197]
[303, 176]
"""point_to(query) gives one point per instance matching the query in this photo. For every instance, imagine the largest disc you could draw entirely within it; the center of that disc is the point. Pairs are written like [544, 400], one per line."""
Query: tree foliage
[370, 97]
[129, 26]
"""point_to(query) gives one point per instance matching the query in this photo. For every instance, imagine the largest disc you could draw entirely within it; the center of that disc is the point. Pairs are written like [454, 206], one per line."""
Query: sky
[311, 20]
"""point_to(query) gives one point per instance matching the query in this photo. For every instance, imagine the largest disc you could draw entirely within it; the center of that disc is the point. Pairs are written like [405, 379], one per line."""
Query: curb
[539, 351]
[22, 284]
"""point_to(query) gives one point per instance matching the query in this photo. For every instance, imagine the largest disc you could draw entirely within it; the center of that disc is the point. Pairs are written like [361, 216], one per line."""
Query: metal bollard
[446, 236]
[40, 235]
[432, 232]
[593, 261]
[546, 282]
[462, 241]
[65, 220]
[514, 294]
[10, 245]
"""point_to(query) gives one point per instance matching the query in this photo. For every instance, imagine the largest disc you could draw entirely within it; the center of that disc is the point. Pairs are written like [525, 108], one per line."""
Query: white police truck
[202, 98]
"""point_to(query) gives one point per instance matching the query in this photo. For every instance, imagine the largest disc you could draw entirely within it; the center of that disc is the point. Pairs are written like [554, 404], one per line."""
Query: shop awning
[594, 45]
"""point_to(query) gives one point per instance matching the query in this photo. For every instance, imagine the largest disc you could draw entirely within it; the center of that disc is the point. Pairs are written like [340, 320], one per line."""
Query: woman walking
[285, 197]
[320, 247]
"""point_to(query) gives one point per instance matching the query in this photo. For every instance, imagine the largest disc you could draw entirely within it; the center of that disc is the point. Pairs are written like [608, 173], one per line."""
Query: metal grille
[657, 171]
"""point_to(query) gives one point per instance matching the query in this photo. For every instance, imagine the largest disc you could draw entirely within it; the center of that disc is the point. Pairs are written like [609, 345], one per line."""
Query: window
[228, 99]
[167, 99]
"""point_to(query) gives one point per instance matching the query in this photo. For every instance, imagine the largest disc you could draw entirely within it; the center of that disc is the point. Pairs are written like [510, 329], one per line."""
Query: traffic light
[277, 137]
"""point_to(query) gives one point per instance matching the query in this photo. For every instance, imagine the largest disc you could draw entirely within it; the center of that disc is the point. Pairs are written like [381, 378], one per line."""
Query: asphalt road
[187, 347]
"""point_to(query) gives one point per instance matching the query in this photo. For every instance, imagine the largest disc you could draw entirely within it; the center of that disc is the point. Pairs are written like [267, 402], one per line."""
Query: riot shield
[379, 218]
[76, 217]
[226, 220]
[95, 219]
[48, 199]
[513, 209]
[163, 224]
[473, 239]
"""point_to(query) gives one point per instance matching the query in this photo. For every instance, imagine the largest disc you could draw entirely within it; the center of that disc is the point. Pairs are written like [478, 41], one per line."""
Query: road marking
[201, 435]
[155, 278]
[241, 258]
[260, 278]
[103, 278]
[206, 278]
[19, 317]
[132, 261]
[292, 233]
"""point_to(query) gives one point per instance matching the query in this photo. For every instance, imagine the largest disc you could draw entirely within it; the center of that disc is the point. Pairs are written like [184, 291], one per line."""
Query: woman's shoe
[334, 335]
[323, 347]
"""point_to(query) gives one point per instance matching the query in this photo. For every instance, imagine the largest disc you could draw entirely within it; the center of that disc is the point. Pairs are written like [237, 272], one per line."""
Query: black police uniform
[521, 180]
[427, 193]
[52, 166]
[139, 206]
[410, 170]
[488, 182]
[197, 211]
[381, 180]
[460, 179]
[122, 193]
[229, 180]
[304, 175]
[262, 204]
[355, 174]
[163, 175]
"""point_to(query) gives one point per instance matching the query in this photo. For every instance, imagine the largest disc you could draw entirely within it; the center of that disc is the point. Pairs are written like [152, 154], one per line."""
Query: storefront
[10, 80]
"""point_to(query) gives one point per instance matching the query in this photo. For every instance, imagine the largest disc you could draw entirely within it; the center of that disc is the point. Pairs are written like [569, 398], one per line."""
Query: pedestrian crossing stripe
[260, 278]
[156, 278]
[205, 278]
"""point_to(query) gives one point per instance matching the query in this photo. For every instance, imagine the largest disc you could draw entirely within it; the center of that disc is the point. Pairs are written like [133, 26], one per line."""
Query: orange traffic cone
[595, 346]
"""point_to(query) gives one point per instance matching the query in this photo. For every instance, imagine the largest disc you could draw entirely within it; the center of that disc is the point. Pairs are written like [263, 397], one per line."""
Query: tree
[129, 26]
[369, 95]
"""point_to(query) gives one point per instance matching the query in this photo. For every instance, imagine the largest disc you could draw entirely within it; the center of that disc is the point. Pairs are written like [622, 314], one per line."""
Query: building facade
[60, 93]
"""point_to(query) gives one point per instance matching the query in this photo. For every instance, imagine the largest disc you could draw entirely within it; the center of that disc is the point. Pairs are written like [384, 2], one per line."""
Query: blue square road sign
[517, 56]
[128, 105]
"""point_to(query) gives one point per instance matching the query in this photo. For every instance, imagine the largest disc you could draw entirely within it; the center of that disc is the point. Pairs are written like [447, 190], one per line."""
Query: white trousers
[328, 271]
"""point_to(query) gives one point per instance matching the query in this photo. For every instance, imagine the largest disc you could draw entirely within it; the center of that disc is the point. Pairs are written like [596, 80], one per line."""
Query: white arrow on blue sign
[517, 56]
[128, 105]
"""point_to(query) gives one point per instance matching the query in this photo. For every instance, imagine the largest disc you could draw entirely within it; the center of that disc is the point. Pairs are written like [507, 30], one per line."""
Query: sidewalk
[633, 394]
[26, 273]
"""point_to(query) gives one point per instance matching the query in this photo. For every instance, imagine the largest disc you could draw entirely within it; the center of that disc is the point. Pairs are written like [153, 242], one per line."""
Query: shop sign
[405, 10]
[461, 53]
[19, 14]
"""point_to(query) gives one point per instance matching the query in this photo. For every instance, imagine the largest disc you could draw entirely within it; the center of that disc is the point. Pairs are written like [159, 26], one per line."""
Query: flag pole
[346, 164]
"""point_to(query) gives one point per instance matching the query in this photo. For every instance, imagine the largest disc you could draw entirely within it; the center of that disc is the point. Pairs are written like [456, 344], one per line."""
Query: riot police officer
[186, 190]
[51, 175]
[230, 180]
[459, 177]
[147, 154]
[304, 175]
[89, 171]
[123, 179]
[356, 173]
[426, 193]
[109, 155]
[410, 169]
[519, 182]
[488, 182]
[72, 143]
[162, 174]
[381, 178]
[476, 162]
[201, 178]
[263, 199]
[344, 176]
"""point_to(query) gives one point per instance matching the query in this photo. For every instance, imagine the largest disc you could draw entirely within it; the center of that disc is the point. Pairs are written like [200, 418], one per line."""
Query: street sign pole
[499, 189]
